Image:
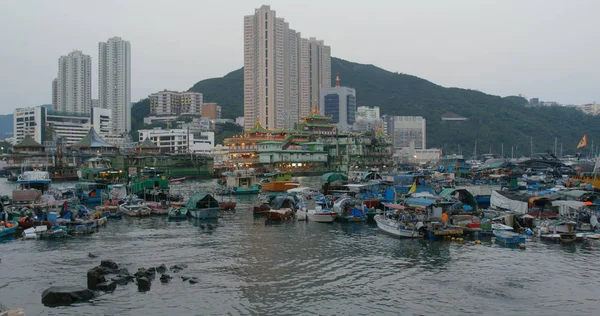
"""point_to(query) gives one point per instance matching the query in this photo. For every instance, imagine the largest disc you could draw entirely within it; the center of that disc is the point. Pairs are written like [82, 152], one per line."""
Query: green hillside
[492, 120]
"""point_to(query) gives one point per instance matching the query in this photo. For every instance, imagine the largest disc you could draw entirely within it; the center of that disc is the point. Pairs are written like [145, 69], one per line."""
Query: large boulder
[193, 280]
[143, 284]
[165, 278]
[109, 264]
[178, 267]
[124, 272]
[162, 268]
[65, 295]
[94, 277]
[107, 286]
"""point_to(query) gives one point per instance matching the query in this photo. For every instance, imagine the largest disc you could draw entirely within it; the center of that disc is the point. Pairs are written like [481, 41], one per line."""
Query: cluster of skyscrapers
[283, 72]
[72, 88]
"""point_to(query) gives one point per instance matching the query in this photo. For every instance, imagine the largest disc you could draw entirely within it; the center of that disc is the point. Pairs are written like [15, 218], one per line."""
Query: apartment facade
[167, 103]
[72, 88]
[283, 72]
[114, 82]
[406, 131]
[179, 140]
[42, 125]
[211, 111]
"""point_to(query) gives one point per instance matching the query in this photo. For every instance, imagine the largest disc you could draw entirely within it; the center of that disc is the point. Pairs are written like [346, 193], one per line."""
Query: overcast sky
[547, 49]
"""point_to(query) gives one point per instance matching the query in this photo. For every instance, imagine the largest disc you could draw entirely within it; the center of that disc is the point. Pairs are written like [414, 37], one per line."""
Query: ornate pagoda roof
[28, 142]
[147, 143]
[258, 128]
[92, 140]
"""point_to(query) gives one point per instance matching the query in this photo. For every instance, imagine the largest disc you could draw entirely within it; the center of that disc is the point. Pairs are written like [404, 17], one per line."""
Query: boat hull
[9, 231]
[227, 206]
[508, 237]
[204, 213]
[278, 186]
[396, 229]
[279, 215]
[245, 191]
[136, 211]
[327, 217]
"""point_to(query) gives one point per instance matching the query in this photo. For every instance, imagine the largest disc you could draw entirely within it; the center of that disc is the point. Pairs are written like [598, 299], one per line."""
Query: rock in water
[124, 272]
[143, 284]
[107, 286]
[64, 295]
[194, 280]
[185, 278]
[165, 278]
[162, 268]
[109, 264]
[121, 280]
[178, 267]
[94, 277]
[91, 255]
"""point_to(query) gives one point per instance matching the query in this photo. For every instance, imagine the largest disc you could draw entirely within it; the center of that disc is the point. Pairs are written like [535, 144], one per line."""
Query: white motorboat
[135, 210]
[320, 215]
[398, 228]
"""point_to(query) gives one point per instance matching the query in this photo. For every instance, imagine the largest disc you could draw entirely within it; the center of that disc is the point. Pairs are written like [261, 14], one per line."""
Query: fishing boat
[8, 228]
[241, 182]
[26, 222]
[202, 206]
[349, 209]
[321, 215]
[509, 237]
[177, 213]
[135, 209]
[227, 205]
[176, 180]
[32, 186]
[91, 192]
[559, 231]
[283, 208]
[278, 182]
[401, 224]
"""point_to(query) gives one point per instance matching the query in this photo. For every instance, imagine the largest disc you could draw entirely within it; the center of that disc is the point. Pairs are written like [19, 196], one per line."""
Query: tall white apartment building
[283, 72]
[72, 88]
[114, 82]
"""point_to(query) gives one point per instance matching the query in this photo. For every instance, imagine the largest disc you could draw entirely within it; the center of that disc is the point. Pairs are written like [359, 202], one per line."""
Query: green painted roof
[147, 143]
[270, 142]
[92, 140]
[28, 141]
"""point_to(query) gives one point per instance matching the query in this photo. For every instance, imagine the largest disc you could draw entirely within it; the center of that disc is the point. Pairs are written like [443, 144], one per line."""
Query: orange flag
[582, 142]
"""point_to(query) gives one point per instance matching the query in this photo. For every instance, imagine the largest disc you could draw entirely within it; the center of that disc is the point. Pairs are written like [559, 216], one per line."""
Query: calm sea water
[301, 268]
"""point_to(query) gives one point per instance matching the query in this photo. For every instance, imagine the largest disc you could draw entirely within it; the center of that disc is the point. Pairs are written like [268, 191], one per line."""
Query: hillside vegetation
[492, 120]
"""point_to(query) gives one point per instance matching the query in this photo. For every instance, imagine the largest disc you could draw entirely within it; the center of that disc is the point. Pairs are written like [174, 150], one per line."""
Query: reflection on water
[247, 267]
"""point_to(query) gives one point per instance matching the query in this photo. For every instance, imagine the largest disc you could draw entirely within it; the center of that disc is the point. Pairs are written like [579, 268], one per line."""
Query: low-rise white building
[179, 140]
[29, 121]
[71, 127]
[42, 125]
[590, 109]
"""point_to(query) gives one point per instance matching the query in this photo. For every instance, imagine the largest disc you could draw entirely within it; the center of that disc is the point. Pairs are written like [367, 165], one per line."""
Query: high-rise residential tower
[114, 82]
[283, 72]
[72, 88]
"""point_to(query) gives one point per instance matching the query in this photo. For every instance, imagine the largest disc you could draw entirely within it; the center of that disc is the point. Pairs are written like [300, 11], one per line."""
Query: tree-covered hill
[492, 120]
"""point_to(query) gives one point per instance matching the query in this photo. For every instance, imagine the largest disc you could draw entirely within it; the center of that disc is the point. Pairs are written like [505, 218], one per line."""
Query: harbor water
[301, 268]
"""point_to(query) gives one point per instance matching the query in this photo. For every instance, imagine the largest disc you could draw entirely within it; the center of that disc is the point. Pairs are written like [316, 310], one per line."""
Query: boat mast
[555, 145]
[475, 151]
[502, 151]
[531, 146]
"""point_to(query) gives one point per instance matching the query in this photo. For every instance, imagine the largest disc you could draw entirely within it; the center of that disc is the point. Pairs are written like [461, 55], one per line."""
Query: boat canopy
[202, 200]
[419, 202]
[283, 201]
[395, 206]
[567, 207]
[333, 176]
[371, 176]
